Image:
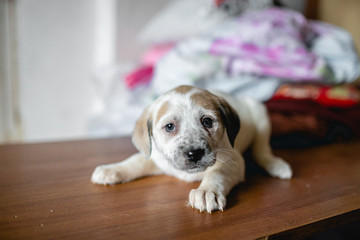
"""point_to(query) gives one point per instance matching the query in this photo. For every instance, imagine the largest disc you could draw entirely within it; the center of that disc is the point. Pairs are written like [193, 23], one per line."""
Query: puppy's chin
[195, 169]
[200, 166]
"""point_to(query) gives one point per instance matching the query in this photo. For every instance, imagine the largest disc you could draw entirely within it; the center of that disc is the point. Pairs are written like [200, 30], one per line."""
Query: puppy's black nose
[195, 155]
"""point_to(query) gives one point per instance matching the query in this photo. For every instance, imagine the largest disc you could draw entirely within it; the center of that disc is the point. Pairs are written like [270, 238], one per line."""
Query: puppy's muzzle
[194, 155]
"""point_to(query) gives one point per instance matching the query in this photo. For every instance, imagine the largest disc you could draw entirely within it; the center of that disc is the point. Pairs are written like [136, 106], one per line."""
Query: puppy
[195, 135]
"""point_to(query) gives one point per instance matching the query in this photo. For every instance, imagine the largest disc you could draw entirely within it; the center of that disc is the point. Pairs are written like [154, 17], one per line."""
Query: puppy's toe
[197, 199]
[105, 175]
[281, 169]
[214, 202]
[206, 200]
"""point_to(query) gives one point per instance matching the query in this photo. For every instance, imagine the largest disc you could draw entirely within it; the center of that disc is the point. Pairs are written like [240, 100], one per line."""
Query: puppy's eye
[207, 122]
[170, 127]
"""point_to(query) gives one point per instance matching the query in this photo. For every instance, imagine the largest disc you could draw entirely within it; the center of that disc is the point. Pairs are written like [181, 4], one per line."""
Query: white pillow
[180, 19]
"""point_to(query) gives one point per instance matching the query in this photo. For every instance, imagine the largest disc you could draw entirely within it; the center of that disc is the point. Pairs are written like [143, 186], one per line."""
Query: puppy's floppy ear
[142, 134]
[230, 120]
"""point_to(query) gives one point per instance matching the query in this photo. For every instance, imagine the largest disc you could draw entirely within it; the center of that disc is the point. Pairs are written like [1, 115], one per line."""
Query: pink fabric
[272, 42]
[141, 75]
[144, 73]
[155, 53]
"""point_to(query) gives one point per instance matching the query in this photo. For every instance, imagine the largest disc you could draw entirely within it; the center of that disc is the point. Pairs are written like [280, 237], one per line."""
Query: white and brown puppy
[195, 135]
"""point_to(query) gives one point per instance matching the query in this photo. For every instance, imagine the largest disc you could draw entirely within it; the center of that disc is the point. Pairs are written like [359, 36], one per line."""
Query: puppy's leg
[134, 167]
[262, 152]
[217, 183]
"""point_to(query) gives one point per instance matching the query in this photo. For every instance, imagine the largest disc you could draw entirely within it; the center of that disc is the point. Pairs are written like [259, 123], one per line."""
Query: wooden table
[46, 194]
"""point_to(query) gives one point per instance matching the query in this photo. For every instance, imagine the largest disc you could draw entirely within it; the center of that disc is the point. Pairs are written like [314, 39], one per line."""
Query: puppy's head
[186, 125]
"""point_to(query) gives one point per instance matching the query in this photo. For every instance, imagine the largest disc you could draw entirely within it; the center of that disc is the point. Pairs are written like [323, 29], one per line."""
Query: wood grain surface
[46, 193]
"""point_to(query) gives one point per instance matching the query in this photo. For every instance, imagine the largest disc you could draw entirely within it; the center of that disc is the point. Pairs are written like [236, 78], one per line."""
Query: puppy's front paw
[206, 200]
[279, 168]
[106, 175]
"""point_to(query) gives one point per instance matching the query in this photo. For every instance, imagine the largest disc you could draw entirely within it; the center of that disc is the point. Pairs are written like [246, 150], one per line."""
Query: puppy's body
[195, 135]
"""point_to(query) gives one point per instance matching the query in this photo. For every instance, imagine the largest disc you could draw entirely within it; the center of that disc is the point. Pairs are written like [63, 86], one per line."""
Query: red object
[156, 52]
[139, 76]
[219, 2]
[330, 96]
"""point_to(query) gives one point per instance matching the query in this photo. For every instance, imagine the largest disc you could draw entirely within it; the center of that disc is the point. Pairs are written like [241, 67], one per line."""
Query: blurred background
[63, 63]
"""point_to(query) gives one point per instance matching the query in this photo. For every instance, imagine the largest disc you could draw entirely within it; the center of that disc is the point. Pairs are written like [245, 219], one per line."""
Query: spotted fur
[196, 135]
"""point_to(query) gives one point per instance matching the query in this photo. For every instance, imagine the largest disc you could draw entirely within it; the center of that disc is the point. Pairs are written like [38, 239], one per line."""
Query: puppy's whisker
[228, 161]
[225, 156]
[224, 150]
[224, 153]
[223, 161]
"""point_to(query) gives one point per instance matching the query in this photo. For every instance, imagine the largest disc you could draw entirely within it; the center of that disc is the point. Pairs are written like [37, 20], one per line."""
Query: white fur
[217, 179]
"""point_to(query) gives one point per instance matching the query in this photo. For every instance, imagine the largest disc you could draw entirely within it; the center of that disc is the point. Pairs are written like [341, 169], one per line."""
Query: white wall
[10, 120]
[58, 45]
[61, 44]
[4, 45]
[132, 17]
[56, 60]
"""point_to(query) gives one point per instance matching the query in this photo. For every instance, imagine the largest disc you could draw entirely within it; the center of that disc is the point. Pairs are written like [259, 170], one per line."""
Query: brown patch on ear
[183, 89]
[162, 110]
[230, 119]
[227, 114]
[142, 134]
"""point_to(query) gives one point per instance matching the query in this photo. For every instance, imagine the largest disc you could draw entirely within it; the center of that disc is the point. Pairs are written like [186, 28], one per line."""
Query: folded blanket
[275, 42]
[305, 123]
